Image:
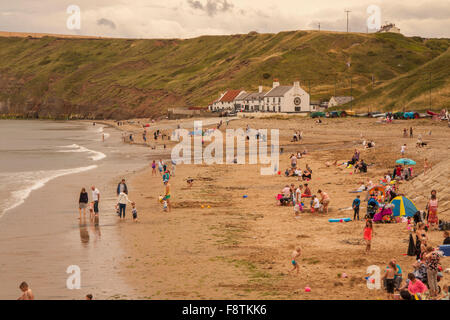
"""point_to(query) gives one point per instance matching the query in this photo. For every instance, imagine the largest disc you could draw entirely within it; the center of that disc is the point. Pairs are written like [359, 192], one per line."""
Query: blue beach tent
[403, 207]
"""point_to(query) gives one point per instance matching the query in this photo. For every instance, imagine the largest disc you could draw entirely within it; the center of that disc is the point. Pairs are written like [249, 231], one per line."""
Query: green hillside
[121, 78]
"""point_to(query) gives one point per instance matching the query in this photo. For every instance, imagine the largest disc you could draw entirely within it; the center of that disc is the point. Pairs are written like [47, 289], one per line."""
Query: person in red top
[368, 232]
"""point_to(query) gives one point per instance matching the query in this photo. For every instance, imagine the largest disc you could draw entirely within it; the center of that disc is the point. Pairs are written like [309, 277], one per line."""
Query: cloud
[191, 18]
[211, 7]
[106, 22]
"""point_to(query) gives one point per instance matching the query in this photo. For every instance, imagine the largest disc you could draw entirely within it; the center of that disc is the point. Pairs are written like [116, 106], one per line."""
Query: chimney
[275, 83]
[260, 89]
[297, 84]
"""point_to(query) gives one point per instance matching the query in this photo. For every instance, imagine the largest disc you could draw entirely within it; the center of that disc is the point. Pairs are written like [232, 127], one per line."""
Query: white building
[389, 27]
[337, 101]
[286, 99]
[254, 101]
[240, 101]
[225, 101]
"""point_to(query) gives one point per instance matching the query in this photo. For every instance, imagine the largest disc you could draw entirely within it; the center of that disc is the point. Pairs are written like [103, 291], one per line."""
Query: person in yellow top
[167, 195]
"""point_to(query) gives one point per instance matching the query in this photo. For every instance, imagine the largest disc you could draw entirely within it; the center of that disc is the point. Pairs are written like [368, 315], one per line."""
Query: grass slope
[119, 78]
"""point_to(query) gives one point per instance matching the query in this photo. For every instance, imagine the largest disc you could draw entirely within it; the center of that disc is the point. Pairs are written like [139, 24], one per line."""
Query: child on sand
[368, 232]
[403, 150]
[167, 195]
[295, 255]
[315, 206]
[160, 166]
[27, 294]
[153, 168]
[134, 211]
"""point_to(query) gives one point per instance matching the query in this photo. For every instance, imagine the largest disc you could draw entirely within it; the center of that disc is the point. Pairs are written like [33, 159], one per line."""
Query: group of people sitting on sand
[359, 165]
[294, 171]
[298, 135]
[402, 173]
[297, 196]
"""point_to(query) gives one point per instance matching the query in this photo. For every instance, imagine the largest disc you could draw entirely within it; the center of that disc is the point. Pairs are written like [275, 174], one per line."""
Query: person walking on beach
[166, 175]
[160, 166]
[167, 195]
[403, 150]
[295, 255]
[122, 187]
[355, 205]
[83, 202]
[153, 168]
[368, 233]
[134, 212]
[95, 199]
[411, 132]
[122, 203]
[27, 294]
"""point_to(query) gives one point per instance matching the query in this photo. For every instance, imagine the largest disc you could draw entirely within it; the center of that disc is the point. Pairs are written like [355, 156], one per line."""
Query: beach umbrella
[403, 207]
[405, 161]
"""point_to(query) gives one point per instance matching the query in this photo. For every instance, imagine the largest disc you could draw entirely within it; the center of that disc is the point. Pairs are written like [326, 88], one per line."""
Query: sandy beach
[216, 244]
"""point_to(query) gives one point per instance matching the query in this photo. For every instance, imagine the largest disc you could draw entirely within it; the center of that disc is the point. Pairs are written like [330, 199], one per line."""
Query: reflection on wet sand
[84, 234]
[94, 229]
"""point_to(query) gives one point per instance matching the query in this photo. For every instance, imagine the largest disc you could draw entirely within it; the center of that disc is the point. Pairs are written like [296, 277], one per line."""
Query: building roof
[255, 95]
[278, 91]
[230, 95]
[242, 96]
[342, 99]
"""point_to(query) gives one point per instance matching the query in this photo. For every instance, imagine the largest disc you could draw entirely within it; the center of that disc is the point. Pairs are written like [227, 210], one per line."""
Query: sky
[192, 18]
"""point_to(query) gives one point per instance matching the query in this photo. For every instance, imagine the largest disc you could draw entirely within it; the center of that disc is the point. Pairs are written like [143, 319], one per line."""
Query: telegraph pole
[309, 88]
[335, 85]
[319, 26]
[351, 97]
[430, 90]
[347, 11]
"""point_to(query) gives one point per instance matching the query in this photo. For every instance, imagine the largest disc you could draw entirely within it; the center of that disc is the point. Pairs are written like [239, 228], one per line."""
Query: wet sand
[41, 238]
[240, 248]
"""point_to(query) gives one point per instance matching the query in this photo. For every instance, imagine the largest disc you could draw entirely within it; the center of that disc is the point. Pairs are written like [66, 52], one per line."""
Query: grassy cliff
[120, 78]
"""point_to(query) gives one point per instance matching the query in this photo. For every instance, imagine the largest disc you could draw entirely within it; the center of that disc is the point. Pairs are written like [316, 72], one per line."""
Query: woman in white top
[122, 203]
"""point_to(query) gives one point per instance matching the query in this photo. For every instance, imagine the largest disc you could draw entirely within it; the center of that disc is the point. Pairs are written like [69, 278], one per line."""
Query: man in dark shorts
[355, 205]
[389, 276]
[95, 199]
